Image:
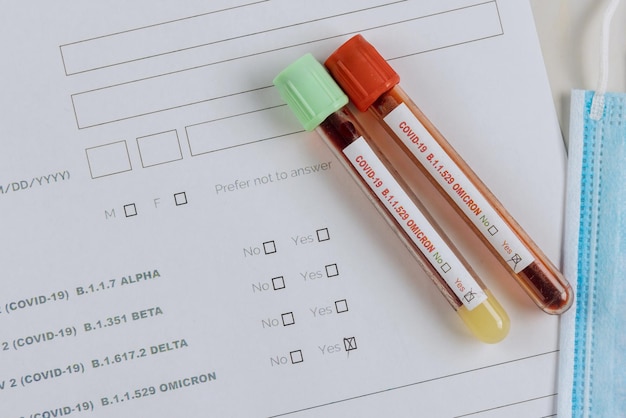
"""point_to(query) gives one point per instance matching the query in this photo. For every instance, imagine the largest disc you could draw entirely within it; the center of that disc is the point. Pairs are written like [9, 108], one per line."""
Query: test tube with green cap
[320, 105]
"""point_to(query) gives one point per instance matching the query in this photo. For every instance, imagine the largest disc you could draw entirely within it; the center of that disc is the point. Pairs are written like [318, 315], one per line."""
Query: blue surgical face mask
[592, 361]
[593, 335]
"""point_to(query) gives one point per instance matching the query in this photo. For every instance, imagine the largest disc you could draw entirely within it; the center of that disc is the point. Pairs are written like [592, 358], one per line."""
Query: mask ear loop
[597, 103]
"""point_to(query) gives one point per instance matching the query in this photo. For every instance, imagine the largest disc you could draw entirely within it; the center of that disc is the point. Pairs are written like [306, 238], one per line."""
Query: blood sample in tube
[320, 105]
[372, 84]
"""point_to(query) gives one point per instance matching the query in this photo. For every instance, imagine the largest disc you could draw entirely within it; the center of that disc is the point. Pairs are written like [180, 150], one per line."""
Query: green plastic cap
[310, 91]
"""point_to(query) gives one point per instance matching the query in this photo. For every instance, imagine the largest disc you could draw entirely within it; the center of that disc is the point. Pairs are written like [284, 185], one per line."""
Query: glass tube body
[487, 321]
[541, 280]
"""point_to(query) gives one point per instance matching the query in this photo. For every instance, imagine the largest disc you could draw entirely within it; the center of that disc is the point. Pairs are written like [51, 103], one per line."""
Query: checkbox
[469, 296]
[278, 282]
[492, 230]
[322, 234]
[296, 356]
[288, 319]
[349, 343]
[516, 259]
[269, 247]
[341, 306]
[332, 270]
[445, 267]
[130, 210]
[180, 198]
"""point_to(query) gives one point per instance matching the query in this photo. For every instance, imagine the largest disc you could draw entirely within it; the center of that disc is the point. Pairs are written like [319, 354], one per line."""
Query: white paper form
[172, 243]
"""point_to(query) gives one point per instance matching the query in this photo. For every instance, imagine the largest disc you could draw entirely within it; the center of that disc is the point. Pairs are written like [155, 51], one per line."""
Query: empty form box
[108, 159]
[341, 306]
[162, 38]
[269, 247]
[180, 198]
[332, 270]
[159, 148]
[296, 356]
[278, 283]
[322, 234]
[242, 129]
[130, 210]
[288, 319]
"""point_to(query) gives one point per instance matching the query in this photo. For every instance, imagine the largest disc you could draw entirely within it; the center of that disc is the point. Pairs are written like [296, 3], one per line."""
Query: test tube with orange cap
[320, 105]
[372, 84]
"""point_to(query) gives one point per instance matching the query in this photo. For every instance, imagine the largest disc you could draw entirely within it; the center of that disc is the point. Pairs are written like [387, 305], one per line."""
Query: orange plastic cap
[361, 71]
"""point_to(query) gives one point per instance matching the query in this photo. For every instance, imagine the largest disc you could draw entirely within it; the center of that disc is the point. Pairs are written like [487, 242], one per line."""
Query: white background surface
[570, 33]
[461, 89]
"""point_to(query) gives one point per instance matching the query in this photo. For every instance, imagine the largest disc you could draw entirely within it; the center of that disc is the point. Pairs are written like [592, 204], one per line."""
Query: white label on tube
[413, 222]
[456, 184]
